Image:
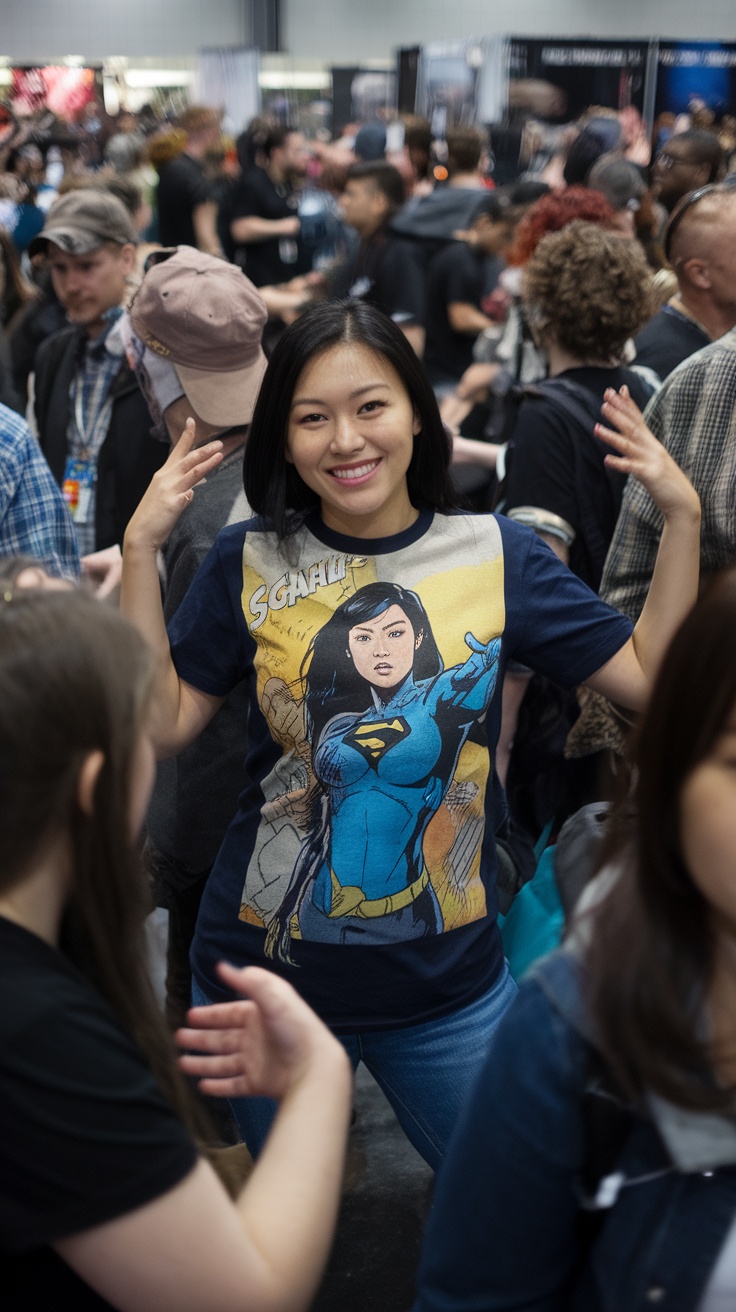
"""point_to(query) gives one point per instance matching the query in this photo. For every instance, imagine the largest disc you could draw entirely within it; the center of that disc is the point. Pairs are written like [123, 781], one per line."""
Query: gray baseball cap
[82, 220]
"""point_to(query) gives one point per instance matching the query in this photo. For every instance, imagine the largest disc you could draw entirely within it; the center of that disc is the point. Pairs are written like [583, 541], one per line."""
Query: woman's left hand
[643, 456]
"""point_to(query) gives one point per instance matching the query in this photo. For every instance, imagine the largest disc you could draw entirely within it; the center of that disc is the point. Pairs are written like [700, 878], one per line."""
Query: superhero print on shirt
[377, 694]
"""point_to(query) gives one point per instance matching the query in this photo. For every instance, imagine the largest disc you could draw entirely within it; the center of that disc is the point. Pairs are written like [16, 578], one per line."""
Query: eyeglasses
[686, 204]
[666, 161]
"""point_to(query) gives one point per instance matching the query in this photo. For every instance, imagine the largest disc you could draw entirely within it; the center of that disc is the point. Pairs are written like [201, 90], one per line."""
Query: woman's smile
[355, 473]
[351, 439]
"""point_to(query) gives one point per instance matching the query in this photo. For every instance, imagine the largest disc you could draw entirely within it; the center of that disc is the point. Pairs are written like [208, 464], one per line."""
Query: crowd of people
[362, 522]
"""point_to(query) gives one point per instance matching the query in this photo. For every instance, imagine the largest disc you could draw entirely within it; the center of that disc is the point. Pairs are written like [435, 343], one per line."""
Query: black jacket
[130, 454]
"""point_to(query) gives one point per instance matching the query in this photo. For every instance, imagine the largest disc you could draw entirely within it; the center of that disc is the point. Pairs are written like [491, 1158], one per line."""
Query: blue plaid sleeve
[34, 520]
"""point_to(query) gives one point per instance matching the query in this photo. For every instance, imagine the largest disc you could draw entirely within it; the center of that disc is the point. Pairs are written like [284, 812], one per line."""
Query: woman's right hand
[643, 456]
[171, 490]
[262, 1046]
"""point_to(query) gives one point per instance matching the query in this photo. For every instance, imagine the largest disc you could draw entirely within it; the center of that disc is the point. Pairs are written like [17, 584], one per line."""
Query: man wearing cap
[92, 419]
[194, 335]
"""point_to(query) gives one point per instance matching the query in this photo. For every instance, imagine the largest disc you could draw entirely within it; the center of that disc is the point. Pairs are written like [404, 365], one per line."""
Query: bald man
[700, 240]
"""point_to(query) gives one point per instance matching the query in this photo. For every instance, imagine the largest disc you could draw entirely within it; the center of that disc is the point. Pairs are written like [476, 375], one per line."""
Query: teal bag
[536, 920]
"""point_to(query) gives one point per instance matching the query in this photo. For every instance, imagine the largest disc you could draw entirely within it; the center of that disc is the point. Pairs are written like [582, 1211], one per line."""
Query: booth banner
[458, 82]
[692, 74]
[65, 91]
[557, 79]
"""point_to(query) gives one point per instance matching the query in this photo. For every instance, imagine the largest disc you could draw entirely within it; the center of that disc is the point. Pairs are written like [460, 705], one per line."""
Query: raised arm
[673, 590]
[179, 711]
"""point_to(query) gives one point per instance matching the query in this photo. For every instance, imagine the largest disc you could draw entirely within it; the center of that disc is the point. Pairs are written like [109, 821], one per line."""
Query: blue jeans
[426, 1071]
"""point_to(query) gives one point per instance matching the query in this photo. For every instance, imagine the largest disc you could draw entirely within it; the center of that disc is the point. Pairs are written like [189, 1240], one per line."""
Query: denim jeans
[426, 1071]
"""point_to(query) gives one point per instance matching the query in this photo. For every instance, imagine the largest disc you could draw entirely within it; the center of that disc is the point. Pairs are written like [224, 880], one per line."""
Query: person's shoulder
[14, 431]
[517, 538]
[653, 328]
[716, 361]
[255, 181]
[455, 252]
[39, 986]
[456, 257]
[56, 344]
[178, 167]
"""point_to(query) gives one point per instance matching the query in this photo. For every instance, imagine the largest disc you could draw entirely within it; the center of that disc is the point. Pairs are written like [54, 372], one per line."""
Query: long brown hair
[651, 955]
[75, 677]
[18, 290]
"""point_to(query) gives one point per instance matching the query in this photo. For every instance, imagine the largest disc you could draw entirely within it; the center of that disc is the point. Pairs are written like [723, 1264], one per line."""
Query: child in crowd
[104, 1197]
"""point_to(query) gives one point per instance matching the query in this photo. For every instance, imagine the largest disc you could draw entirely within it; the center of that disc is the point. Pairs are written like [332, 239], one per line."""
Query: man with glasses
[689, 160]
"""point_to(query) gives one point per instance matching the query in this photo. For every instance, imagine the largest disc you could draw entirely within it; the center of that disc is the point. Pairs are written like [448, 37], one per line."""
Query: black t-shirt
[85, 1135]
[668, 339]
[457, 274]
[279, 258]
[182, 187]
[387, 272]
[554, 465]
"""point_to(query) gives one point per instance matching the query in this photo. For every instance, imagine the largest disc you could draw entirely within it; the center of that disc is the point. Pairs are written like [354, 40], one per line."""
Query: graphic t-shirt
[361, 863]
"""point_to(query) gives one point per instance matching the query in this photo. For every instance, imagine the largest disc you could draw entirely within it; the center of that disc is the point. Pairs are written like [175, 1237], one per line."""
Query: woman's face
[351, 437]
[708, 828]
[383, 648]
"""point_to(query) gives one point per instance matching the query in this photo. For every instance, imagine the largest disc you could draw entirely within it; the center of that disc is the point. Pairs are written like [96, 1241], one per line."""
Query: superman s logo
[375, 739]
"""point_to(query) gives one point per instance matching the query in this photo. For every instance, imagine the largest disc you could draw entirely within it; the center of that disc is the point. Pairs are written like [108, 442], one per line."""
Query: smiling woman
[371, 625]
[351, 445]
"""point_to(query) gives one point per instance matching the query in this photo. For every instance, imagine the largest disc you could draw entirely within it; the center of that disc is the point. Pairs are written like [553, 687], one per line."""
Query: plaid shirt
[694, 415]
[34, 520]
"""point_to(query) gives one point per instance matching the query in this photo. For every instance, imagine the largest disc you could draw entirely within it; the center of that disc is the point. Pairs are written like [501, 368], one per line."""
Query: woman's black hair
[272, 486]
[332, 685]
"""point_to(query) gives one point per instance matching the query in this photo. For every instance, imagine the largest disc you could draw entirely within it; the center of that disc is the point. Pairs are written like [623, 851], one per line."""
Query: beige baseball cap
[207, 319]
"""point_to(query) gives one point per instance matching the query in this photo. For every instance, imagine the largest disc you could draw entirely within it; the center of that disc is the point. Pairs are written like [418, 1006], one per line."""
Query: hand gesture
[172, 489]
[104, 570]
[262, 1046]
[488, 652]
[643, 456]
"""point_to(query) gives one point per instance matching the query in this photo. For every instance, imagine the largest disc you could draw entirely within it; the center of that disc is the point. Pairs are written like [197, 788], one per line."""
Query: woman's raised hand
[643, 456]
[171, 490]
[262, 1046]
